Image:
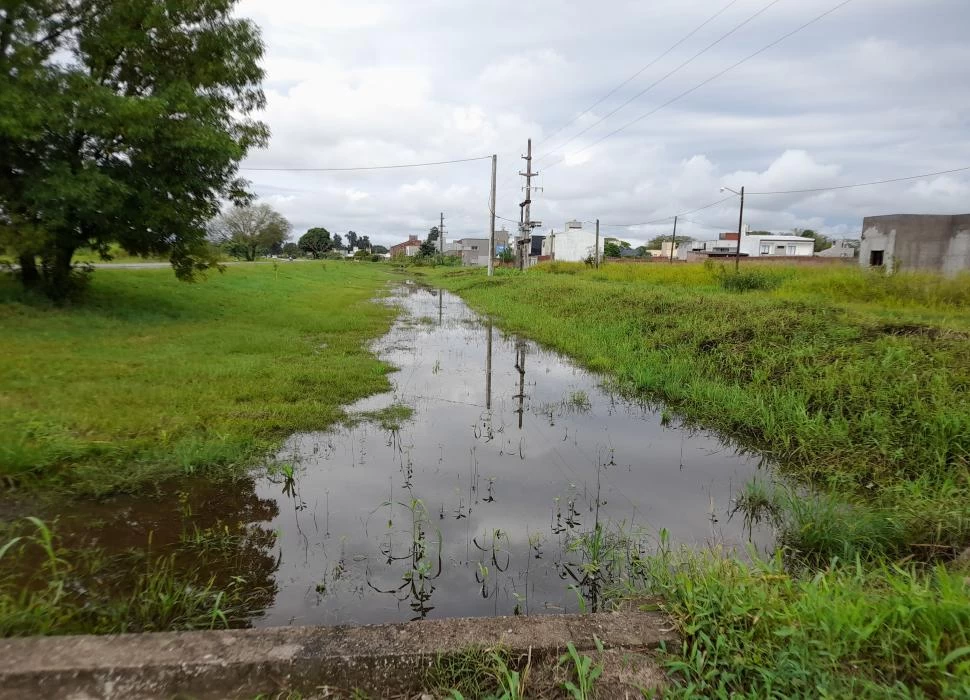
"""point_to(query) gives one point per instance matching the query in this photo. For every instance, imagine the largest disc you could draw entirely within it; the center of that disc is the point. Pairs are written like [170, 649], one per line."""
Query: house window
[766, 248]
[474, 247]
[875, 258]
[791, 250]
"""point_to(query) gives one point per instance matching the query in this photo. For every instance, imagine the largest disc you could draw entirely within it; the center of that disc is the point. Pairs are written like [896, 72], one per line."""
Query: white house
[572, 244]
[782, 244]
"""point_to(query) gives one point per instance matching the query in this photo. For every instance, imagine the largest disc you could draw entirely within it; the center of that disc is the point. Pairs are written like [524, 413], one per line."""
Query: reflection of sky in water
[345, 538]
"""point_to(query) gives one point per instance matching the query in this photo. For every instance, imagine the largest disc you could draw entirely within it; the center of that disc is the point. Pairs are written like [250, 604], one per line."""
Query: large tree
[337, 242]
[657, 241]
[822, 242]
[251, 230]
[364, 243]
[122, 122]
[352, 239]
[316, 241]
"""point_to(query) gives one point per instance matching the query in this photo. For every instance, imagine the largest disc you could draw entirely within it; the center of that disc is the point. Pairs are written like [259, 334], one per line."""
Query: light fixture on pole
[737, 251]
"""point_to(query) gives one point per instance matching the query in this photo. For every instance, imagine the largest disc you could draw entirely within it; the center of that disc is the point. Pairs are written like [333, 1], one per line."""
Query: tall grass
[150, 378]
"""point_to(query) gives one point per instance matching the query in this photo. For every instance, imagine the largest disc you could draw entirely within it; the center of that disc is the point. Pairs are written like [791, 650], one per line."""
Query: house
[572, 244]
[474, 251]
[410, 247]
[759, 246]
[939, 243]
[842, 248]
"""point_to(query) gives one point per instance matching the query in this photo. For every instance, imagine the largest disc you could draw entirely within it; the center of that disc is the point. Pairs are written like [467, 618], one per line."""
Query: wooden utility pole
[673, 241]
[737, 251]
[491, 237]
[596, 250]
[525, 219]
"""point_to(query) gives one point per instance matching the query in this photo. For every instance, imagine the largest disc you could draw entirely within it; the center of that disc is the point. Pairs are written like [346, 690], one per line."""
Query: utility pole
[525, 218]
[441, 234]
[596, 251]
[491, 243]
[737, 252]
[673, 241]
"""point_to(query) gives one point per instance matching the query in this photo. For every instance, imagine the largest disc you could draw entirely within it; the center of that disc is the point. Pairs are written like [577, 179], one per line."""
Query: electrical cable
[662, 79]
[370, 167]
[711, 79]
[642, 70]
[861, 184]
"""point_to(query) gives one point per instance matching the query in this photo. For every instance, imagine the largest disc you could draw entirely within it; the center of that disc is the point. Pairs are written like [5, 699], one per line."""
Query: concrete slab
[382, 660]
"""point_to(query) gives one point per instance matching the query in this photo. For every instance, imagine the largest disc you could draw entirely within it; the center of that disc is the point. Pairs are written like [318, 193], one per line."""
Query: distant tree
[352, 239]
[315, 242]
[432, 234]
[122, 123]
[657, 241]
[362, 255]
[364, 243]
[642, 251]
[428, 248]
[611, 249]
[337, 242]
[291, 249]
[822, 242]
[251, 230]
[379, 249]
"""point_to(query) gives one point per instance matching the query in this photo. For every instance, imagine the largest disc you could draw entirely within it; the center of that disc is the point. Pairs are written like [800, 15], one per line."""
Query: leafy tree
[611, 249]
[657, 241]
[432, 234]
[251, 229]
[291, 249]
[822, 242]
[336, 242]
[352, 240]
[642, 251]
[428, 248]
[364, 243]
[362, 255]
[122, 123]
[379, 249]
[315, 242]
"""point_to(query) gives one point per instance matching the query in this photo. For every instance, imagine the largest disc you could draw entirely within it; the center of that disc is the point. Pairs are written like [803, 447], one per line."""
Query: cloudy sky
[878, 89]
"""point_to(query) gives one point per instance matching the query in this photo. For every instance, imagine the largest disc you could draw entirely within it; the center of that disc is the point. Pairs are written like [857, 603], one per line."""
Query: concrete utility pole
[673, 240]
[441, 234]
[525, 225]
[737, 251]
[596, 250]
[491, 235]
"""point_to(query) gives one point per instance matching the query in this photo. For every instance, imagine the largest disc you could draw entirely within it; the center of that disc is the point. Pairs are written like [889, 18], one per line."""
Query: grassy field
[150, 377]
[856, 386]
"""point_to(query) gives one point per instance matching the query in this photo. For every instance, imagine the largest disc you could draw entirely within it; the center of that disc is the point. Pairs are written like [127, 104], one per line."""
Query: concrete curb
[381, 660]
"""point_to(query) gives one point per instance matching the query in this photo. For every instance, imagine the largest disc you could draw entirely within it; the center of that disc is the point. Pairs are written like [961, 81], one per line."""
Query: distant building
[726, 245]
[937, 243]
[410, 247]
[842, 248]
[474, 251]
[572, 244]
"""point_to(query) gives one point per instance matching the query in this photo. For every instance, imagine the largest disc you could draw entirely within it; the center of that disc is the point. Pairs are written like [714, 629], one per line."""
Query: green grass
[149, 377]
[856, 386]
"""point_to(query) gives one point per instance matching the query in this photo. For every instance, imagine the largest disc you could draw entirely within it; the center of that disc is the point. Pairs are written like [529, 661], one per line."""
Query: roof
[782, 237]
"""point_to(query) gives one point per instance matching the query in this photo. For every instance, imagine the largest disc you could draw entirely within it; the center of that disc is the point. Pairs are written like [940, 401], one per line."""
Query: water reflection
[500, 499]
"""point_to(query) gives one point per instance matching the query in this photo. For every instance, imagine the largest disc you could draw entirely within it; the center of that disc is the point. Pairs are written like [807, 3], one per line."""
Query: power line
[672, 72]
[668, 218]
[645, 68]
[370, 167]
[864, 184]
[705, 82]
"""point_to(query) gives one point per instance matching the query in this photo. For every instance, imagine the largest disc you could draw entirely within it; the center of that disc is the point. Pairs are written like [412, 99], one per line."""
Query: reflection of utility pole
[488, 366]
[520, 366]
[441, 296]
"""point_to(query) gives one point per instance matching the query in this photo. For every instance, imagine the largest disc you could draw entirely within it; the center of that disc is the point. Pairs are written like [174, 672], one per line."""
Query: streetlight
[737, 252]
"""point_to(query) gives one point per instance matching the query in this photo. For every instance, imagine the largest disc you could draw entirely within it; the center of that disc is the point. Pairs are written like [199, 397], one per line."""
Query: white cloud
[374, 83]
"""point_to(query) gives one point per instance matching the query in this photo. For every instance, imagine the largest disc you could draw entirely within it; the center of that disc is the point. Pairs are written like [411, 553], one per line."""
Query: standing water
[485, 501]
[494, 478]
